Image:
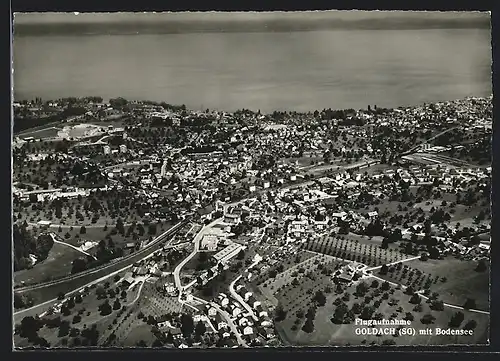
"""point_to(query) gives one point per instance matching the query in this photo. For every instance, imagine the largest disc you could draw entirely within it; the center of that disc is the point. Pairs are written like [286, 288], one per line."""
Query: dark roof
[207, 210]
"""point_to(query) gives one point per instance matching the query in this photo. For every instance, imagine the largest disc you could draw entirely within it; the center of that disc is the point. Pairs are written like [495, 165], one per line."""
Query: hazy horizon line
[231, 27]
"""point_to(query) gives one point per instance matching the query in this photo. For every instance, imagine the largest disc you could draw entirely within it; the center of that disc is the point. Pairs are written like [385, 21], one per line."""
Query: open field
[327, 333]
[462, 281]
[57, 264]
[137, 334]
[42, 133]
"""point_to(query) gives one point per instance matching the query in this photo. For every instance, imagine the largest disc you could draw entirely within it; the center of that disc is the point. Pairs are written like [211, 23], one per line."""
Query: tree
[64, 328]
[100, 292]
[367, 313]
[71, 302]
[142, 343]
[78, 265]
[308, 326]
[18, 301]
[77, 318]
[383, 270]
[117, 305]
[385, 286]
[83, 230]
[361, 289]
[65, 310]
[470, 303]
[78, 298]
[241, 255]
[29, 327]
[157, 343]
[169, 338]
[456, 319]
[200, 328]
[320, 298]
[481, 266]
[427, 319]
[60, 296]
[415, 299]
[74, 332]
[470, 325]
[409, 316]
[105, 308]
[280, 313]
[375, 284]
[437, 305]
[187, 325]
[356, 308]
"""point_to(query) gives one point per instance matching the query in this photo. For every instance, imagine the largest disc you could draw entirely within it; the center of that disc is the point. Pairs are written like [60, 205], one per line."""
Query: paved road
[227, 318]
[196, 241]
[240, 299]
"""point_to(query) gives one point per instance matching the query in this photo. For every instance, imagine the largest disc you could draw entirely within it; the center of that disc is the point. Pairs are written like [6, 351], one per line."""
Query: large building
[229, 252]
[209, 242]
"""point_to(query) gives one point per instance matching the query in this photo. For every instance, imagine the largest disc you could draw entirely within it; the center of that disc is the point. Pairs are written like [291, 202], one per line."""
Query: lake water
[268, 71]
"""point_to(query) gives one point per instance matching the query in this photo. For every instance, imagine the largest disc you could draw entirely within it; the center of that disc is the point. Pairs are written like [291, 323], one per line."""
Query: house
[298, 227]
[171, 289]
[222, 325]
[372, 214]
[236, 311]
[232, 218]
[44, 224]
[198, 318]
[248, 295]
[346, 276]
[176, 332]
[224, 302]
[269, 333]
[243, 321]
[266, 323]
[212, 312]
[128, 280]
[321, 225]
[248, 331]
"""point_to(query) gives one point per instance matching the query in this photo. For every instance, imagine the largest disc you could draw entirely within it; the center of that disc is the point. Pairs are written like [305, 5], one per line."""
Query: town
[145, 224]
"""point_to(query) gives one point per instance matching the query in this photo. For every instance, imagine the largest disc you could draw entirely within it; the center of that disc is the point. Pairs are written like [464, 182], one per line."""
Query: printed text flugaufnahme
[360, 322]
